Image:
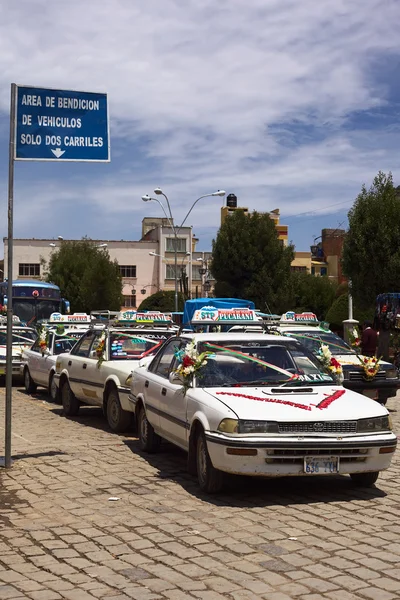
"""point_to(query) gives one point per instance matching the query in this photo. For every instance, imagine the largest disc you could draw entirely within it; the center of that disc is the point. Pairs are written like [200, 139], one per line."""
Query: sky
[290, 105]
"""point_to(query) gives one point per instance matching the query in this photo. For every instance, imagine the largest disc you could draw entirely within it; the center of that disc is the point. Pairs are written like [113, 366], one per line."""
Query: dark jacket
[369, 341]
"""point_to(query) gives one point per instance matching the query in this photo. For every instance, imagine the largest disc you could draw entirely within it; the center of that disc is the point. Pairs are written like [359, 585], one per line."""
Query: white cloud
[205, 95]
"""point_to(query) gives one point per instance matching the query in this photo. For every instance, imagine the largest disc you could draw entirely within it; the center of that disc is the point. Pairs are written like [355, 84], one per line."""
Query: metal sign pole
[7, 462]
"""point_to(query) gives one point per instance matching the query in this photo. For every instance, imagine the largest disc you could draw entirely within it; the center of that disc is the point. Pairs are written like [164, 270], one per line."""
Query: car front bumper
[285, 456]
[16, 367]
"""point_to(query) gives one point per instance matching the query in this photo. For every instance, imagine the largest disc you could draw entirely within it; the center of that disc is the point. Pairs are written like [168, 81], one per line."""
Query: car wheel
[118, 419]
[30, 385]
[69, 400]
[365, 479]
[148, 439]
[210, 479]
[53, 389]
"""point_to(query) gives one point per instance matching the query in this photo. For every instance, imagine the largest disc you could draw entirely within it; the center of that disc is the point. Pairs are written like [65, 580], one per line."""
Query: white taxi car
[306, 328]
[98, 371]
[22, 338]
[261, 406]
[38, 366]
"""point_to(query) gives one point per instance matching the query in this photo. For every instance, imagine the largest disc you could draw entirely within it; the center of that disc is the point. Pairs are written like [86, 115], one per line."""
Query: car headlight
[228, 426]
[391, 374]
[374, 424]
[258, 427]
[128, 380]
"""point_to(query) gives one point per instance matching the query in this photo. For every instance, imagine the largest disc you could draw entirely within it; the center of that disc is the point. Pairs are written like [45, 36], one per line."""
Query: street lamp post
[182, 266]
[176, 230]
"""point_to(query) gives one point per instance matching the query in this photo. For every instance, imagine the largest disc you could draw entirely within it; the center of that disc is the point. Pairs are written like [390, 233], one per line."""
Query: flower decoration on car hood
[190, 362]
[330, 362]
[100, 349]
[43, 339]
[370, 365]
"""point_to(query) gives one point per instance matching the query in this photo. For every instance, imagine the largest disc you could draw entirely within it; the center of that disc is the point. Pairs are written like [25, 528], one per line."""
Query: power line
[314, 210]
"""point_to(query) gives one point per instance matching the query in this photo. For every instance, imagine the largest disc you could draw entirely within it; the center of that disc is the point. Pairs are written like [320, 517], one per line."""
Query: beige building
[146, 266]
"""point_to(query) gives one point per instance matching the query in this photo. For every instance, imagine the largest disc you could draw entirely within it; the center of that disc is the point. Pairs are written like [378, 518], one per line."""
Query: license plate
[321, 465]
[371, 394]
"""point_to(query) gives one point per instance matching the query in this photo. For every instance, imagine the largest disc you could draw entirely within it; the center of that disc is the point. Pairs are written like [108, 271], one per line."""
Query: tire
[148, 439]
[210, 479]
[69, 400]
[30, 385]
[118, 419]
[54, 392]
[365, 479]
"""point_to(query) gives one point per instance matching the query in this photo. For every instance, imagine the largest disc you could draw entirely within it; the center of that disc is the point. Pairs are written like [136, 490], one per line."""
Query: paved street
[62, 535]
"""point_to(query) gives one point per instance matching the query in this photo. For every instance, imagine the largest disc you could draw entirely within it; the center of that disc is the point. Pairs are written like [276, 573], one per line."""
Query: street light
[158, 191]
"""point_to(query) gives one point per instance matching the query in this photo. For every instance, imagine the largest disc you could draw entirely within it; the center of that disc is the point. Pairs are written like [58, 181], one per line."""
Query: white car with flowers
[98, 371]
[39, 361]
[22, 338]
[257, 404]
[381, 384]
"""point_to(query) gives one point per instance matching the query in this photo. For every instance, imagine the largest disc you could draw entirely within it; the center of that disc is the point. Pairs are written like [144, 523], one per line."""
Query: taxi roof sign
[300, 318]
[209, 315]
[71, 319]
[144, 318]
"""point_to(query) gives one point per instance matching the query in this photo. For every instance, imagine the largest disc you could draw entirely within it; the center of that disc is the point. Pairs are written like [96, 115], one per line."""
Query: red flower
[335, 363]
[187, 361]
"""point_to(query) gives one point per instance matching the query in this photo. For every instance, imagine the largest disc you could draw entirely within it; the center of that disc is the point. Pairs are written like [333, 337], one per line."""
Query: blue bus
[33, 300]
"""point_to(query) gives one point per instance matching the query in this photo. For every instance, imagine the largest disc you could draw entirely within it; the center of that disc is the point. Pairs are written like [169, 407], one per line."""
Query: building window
[170, 244]
[129, 301]
[324, 271]
[312, 270]
[128, 271]
[29, 269]
[298, 269]
[195, 272]
[170, 272]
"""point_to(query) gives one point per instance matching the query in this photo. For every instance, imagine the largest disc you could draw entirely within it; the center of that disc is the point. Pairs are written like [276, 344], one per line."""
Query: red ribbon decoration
[323, 404]
[329, 399]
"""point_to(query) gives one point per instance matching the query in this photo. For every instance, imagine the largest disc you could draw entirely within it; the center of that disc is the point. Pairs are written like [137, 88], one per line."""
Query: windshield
[128, 346]
[65, 343]
[21, 337]
[313, 339]
[31, 311]
[258, 362]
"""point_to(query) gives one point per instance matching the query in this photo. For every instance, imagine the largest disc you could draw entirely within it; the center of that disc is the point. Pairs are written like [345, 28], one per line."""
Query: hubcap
[113, 410]
[201, 460]
[143, 427]
[53, 389]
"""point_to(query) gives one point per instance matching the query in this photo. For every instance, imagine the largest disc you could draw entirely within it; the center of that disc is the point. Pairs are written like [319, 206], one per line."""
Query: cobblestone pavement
[62, 535]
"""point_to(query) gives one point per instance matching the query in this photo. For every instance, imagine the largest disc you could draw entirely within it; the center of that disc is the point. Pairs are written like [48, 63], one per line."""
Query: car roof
[294, 327]
[238, 336]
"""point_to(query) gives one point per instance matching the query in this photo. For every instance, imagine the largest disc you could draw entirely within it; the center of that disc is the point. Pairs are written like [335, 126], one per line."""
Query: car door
[92, 377]
[31, 357]
[76, 364]
[44, 360]
[170, 399]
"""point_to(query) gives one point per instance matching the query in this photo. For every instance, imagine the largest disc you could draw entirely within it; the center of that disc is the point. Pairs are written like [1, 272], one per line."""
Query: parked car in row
[22, 338]
[257, 404]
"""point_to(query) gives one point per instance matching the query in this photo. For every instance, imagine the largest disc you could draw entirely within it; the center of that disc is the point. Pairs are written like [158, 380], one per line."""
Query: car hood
[352, 359]
[16, 351]
[326, 403]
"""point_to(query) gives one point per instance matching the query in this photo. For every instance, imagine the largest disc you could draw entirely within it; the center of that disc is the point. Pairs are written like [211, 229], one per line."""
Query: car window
[162, 364]
[255, 362]
[65, 343]
[126, 345]
[313, 340]
[35, 347]
[83, 346]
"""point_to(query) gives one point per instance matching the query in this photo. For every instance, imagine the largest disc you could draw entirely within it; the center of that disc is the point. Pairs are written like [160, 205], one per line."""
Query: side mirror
[175, 378]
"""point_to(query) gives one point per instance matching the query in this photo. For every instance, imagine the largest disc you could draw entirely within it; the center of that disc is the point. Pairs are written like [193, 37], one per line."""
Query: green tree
[339, 312]
[249, 261]
[371, 251]
[310, 293]
[162, 301]
[87, 276]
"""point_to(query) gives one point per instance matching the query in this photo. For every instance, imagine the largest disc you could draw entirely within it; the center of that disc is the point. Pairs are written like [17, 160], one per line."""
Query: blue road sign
[61, 125]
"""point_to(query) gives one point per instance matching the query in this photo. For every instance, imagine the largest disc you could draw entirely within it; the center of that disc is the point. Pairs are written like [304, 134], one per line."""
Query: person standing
[369, 340]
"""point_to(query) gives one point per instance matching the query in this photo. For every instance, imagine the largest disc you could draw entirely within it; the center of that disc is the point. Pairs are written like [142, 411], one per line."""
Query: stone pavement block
[378, 594]
[45, 595]
[320, 585]
[384, 583]
[8, 592]
[350, 583]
